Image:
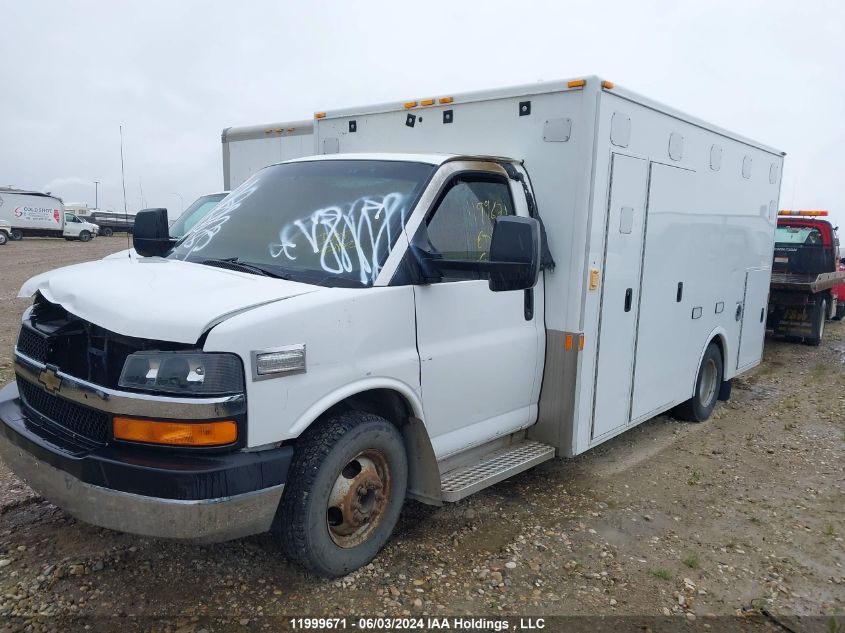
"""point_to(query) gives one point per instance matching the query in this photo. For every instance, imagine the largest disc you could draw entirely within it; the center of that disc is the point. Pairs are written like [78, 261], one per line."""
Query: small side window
[746, 167]
[461, 226]
[715, 158]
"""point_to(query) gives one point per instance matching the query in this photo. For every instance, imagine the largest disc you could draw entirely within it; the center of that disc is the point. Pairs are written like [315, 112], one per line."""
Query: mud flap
[725, 390]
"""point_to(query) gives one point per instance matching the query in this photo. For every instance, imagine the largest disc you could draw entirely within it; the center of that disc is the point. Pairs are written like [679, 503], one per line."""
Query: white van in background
[36, 214]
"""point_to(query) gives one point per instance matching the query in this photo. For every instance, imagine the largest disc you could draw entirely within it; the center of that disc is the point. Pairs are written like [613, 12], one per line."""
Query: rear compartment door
[620, 294]
[753, 329]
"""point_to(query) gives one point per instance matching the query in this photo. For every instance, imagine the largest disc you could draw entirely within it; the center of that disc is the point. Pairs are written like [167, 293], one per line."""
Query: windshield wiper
[234, 263]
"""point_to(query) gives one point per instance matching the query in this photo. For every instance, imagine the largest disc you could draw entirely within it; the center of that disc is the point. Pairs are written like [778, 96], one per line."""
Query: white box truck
[472, 285]
[36, 214]
[249, 148]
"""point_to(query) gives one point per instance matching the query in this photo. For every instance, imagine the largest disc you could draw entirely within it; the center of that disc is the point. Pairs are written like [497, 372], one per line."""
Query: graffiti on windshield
[204, 231]
[347, 238]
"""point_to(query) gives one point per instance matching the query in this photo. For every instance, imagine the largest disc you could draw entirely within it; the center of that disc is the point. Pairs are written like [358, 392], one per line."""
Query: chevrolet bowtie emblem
[50, 380]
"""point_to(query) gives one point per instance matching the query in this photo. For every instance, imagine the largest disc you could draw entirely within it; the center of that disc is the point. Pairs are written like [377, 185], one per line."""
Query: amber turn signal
[175, 433]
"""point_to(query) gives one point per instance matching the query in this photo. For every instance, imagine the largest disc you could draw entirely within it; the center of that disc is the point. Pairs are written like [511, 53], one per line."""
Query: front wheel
[344, 493]
[84, 236]
[700, 407]
[3, 238]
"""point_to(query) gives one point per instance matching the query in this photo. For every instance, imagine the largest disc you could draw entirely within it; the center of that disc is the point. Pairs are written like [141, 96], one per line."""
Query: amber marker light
[577, 83]
[175, 433]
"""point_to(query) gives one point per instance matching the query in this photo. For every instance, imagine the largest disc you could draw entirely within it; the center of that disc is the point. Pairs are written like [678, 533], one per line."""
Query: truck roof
[24, 192]
[432, 159]
[542, 87]
[264, 130]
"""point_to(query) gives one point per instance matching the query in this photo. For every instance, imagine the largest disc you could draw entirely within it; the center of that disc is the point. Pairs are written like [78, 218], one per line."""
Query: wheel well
[721, 345]
[386, 403]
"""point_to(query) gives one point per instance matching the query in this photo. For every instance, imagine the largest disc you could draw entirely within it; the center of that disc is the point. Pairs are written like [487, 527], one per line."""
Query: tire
[840, 311]
[3, 238]
[361, 455]
[107, 232]
[821, 318]
[707, 383]
[16, 235]
[84, 236]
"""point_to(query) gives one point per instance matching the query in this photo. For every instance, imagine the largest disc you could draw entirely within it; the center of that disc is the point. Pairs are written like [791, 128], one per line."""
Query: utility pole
[96, 198]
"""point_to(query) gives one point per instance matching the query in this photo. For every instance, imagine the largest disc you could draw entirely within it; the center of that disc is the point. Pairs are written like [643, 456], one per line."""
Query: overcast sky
[174, 74]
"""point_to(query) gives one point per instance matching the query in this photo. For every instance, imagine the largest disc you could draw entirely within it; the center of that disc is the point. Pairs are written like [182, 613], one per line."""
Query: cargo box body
[661, 227]
[248, 149]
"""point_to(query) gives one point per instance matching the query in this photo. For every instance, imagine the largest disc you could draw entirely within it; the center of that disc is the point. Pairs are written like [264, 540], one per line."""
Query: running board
[493, 468]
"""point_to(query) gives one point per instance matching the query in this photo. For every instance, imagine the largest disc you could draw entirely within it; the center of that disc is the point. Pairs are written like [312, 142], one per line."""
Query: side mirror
[514, 253]
[150, 235]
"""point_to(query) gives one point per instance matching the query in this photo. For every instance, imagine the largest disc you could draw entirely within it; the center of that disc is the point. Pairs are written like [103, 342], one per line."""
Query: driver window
[70, 218]
[462, 225]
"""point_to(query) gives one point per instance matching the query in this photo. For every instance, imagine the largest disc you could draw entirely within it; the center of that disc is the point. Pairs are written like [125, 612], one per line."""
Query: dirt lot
[743, 513]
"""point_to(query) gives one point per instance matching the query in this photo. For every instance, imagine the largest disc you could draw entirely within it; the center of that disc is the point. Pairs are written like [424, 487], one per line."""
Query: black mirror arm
[547, 262]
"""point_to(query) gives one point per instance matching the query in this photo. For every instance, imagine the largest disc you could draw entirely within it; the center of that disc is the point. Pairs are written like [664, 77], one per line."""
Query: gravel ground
[740, 515]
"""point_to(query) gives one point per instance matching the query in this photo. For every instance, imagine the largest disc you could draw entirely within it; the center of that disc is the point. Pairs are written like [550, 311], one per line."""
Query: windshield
[798, 235]
[329, 222]
[194, 213]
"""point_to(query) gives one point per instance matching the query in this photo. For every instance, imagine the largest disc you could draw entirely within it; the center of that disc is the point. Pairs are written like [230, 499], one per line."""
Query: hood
[156, 298]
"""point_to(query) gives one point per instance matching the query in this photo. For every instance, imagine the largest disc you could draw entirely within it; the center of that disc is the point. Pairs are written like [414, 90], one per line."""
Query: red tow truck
[808, 277]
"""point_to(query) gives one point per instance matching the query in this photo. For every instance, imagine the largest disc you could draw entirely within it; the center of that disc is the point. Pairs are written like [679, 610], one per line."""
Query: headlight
[183, 373]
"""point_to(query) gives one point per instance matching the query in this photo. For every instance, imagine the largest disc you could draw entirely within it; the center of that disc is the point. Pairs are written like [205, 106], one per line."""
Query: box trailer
[460, 288]
[249, 148]
[36, 214]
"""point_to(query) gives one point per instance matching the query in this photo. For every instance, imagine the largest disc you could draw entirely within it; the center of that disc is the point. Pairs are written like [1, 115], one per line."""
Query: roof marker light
[577, 83]
[607, 85]
[410, 104]
[785, 212]
[444, 100]
[320, 115]
[426, 102]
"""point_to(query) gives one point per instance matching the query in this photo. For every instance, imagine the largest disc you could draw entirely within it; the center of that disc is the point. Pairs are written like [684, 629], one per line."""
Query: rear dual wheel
[344, 493]
[818, 328]
[708, 382]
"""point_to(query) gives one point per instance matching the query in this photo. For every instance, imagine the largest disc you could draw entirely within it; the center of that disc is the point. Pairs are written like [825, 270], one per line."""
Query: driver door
[479, 350]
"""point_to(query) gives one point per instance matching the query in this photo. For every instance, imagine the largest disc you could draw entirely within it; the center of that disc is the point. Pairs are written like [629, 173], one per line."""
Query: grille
[82, 421]
[33, 344]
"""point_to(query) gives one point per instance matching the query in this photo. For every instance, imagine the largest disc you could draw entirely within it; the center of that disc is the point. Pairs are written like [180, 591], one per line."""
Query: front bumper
[196, 497]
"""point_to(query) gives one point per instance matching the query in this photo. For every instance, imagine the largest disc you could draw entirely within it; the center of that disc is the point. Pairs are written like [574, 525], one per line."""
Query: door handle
[680, 294]
[529, 304]
[629, 293]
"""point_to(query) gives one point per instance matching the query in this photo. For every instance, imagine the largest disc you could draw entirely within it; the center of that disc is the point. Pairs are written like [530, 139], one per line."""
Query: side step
[493, 468]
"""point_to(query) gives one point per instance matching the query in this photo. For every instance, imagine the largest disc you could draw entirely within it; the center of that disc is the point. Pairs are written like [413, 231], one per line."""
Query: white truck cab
[385, 321]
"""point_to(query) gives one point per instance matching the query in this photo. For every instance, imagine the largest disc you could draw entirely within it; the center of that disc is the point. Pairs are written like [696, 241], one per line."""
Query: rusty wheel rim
[358, 499]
